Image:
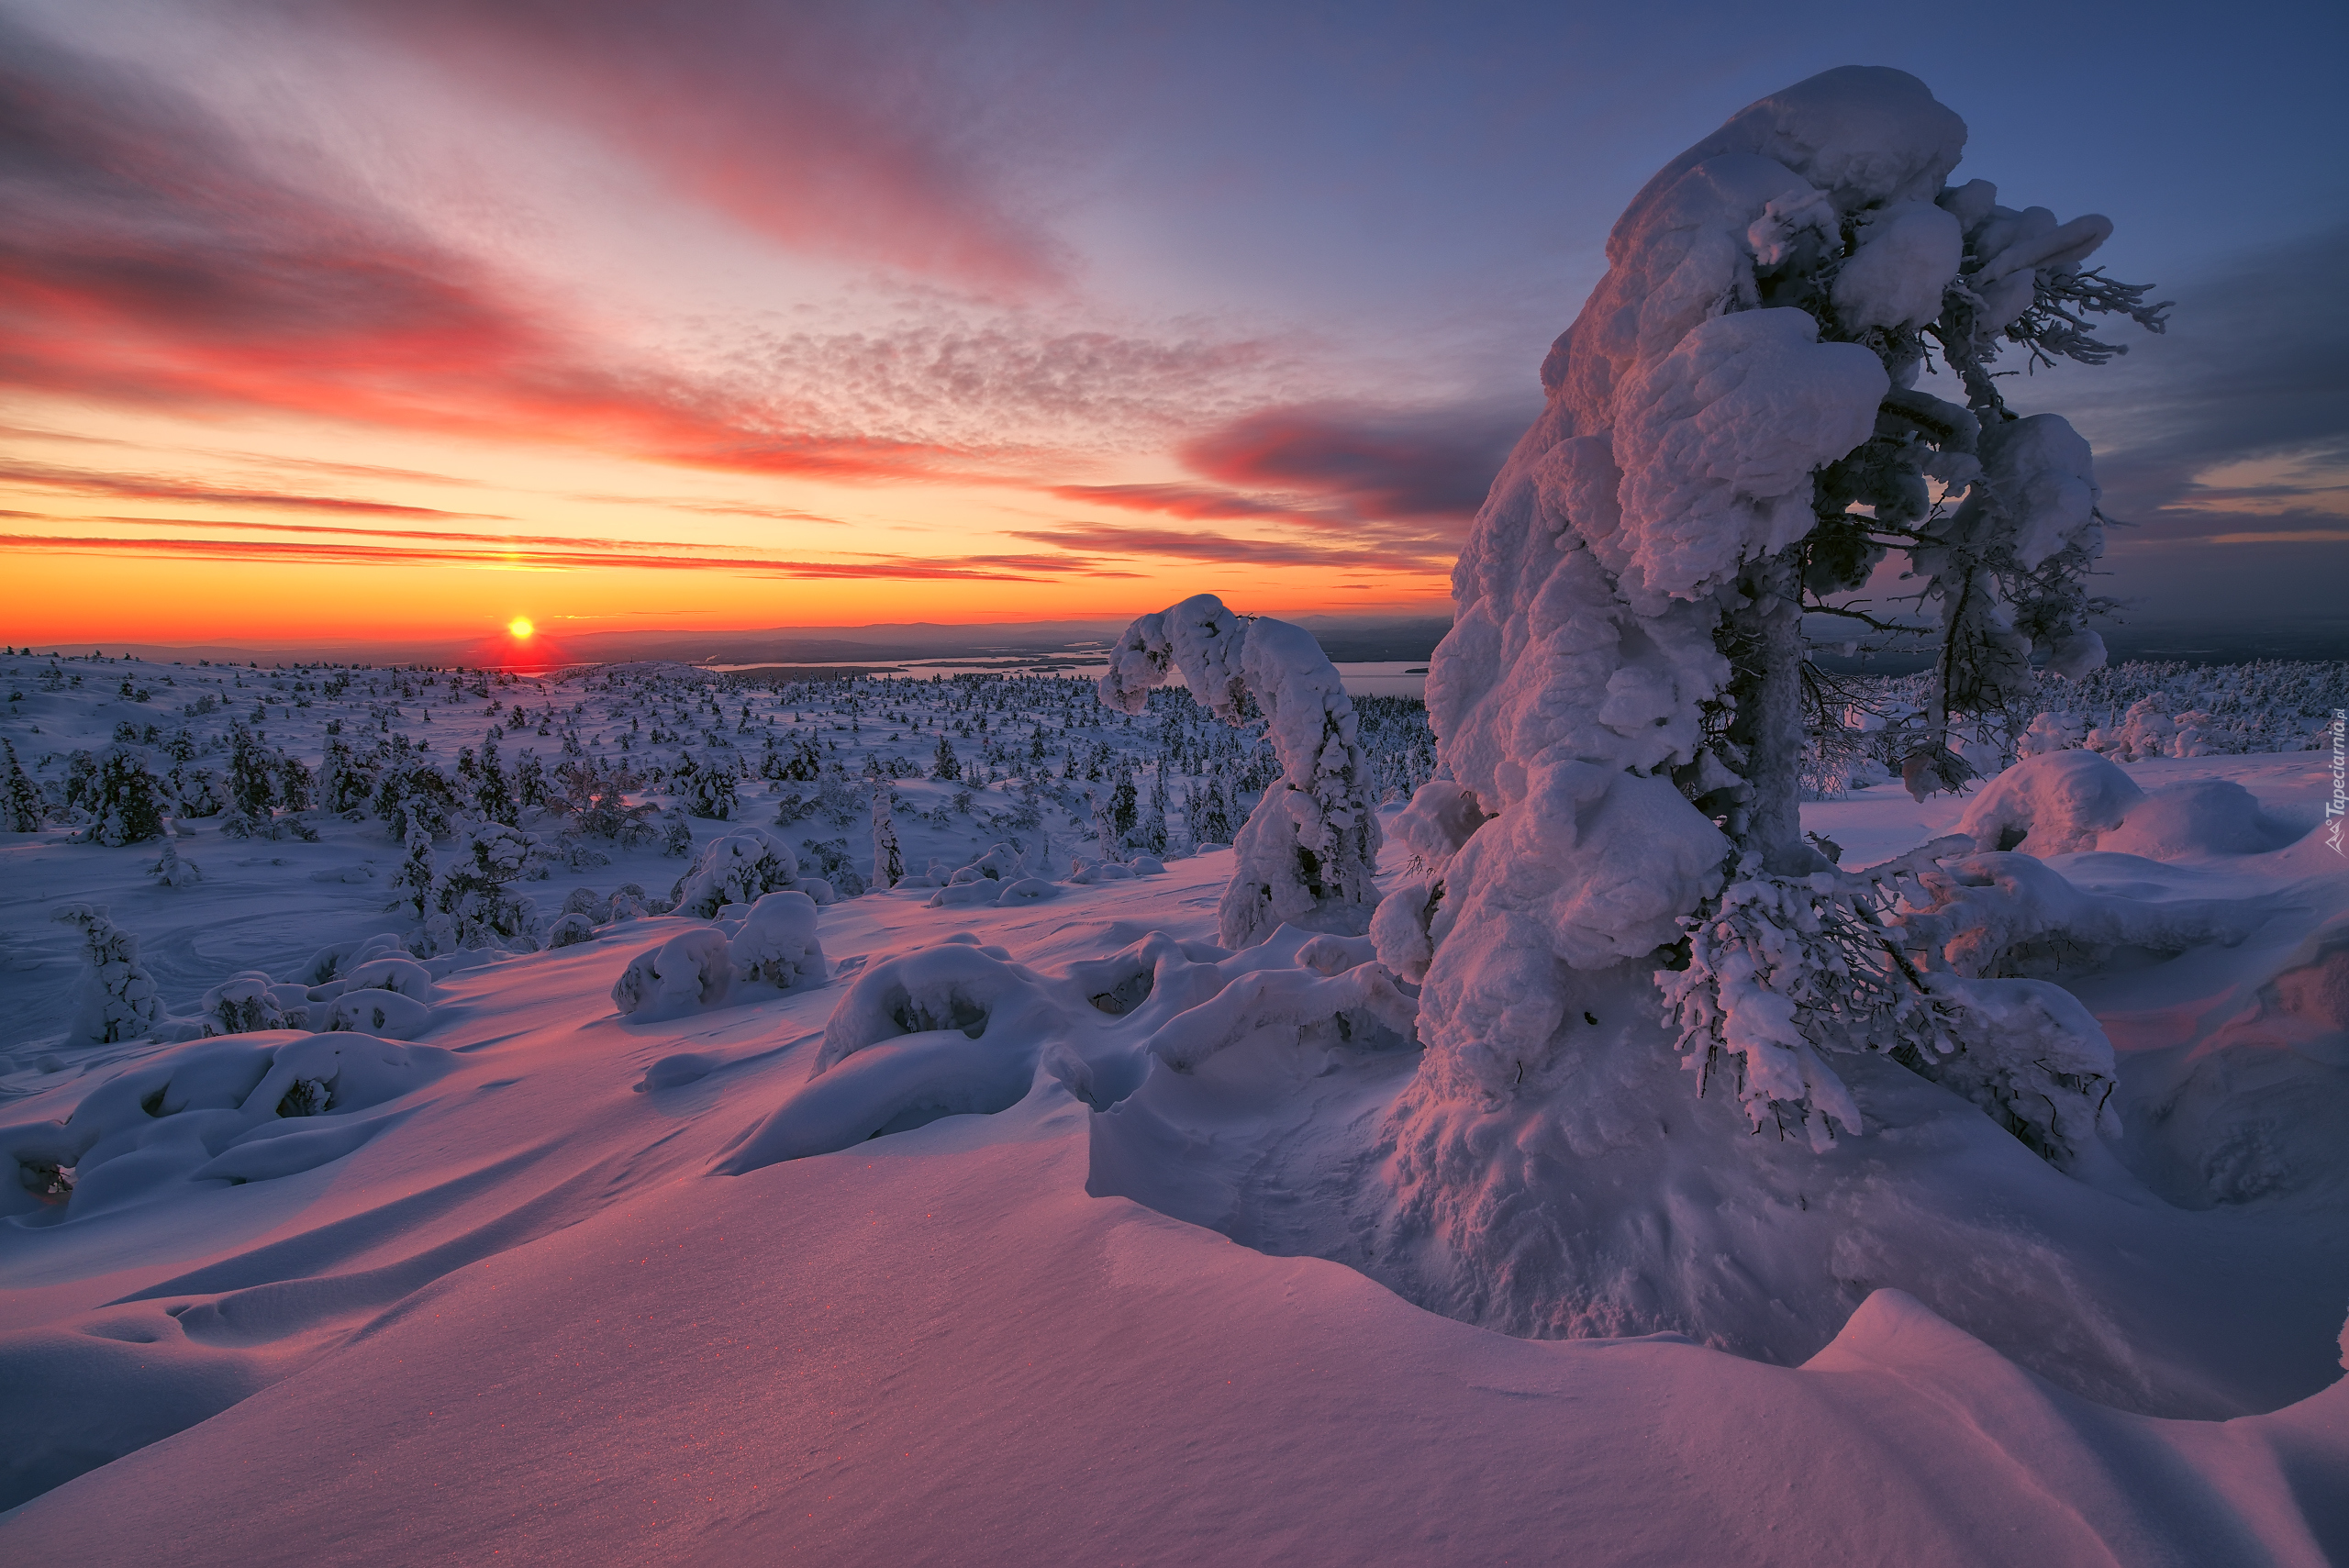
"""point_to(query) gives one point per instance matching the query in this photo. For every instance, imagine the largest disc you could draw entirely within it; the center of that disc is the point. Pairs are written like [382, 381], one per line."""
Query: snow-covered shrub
[676, 839]
[570, 930]
[117, 1000]
[391, 971]
[242, 1003]
[172, 870]
[777, 944]
[689, 972]
[829, 860]
[125, 798]
[2196, 818]
[194, 793]
[1308, 851]
[707, 789]
[386, 1014]
[2048, 733]
[473, 892]
[241, 1098]
[2051, 803]
[741, 868]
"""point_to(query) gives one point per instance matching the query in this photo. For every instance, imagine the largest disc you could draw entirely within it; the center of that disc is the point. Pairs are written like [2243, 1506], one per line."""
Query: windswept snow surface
[1042, 1228]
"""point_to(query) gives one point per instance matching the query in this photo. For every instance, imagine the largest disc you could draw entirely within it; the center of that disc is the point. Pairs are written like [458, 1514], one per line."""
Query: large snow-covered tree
[1735, 435]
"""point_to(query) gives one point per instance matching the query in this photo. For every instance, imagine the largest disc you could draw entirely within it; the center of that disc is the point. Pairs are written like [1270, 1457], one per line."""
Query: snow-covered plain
[547, 1281]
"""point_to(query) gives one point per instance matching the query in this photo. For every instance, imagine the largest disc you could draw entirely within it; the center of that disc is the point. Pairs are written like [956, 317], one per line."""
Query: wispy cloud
[874, 132]
[569, 557]
[140, 487]
[1112, 540]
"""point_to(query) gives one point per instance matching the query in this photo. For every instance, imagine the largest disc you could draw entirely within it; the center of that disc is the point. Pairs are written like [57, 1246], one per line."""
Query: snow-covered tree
[252, 776]
[1734, 435]
[707, 789]
[473, 891]
[492, 791]
[170, 870]
[1308, 851]
[126, 799]
[888, 859]
[21, 810]
[118, 1000]
[944, 763]
[413, 880]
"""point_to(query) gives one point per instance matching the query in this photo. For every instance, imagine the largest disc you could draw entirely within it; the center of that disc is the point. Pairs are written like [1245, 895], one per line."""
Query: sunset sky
[346, 320]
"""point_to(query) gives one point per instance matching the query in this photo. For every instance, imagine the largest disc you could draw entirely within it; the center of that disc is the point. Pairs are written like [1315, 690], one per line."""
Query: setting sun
[521, 628]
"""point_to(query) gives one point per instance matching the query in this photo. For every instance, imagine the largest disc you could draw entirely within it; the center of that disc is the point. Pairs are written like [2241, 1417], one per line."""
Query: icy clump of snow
[1307, 854]
[1717, 441]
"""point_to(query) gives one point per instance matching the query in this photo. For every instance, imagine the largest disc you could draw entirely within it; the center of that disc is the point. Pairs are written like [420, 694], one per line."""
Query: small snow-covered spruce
[118, 1000]
[707, 789]
[21, 809]
[888, 859]
[473, 891]
[944, 763]
[170, 871]
[413, 880]
[1307, 854]
[126, 799]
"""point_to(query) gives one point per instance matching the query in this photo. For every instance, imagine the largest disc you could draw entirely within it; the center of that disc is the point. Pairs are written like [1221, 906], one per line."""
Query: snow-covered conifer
[252, 781]
[943, 763]
[126, 799]
[1310, 851]
[888, 859]
[170, 870]
[118, 1000]
[494, 792]
[473, 891]
[1734, 436]
[413, 881]
[22, 809]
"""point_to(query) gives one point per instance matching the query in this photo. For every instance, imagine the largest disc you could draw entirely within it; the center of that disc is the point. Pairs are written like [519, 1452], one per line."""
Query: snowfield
[554, 1282]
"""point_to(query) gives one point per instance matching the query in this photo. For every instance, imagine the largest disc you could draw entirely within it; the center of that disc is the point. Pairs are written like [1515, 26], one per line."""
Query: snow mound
[959, 1029]
[238, 1108]
[2054, 803]
[777, 944]
[2195, 819]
